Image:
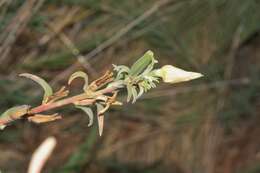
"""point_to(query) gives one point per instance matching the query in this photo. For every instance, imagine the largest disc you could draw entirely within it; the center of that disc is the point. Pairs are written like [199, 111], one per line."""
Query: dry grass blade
[16, 26]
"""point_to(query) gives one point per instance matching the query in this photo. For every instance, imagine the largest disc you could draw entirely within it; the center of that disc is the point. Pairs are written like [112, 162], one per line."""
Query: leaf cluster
[139, 78]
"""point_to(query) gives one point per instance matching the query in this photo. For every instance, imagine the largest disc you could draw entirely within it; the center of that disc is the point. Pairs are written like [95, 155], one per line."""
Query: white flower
[171, 74]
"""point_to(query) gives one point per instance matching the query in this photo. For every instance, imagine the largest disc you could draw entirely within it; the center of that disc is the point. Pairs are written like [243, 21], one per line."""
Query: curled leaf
[89, 112]
[80, 74]
[171, 74]
[121, 70]
[12, 114]
[142, 64]
[46, 87]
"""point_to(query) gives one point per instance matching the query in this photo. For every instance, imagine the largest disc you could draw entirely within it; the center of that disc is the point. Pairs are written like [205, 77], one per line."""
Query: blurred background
[210, 125]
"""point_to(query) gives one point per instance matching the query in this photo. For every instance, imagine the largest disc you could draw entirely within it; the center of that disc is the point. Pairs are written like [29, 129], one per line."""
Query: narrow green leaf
[46, 87]
[142, 63]
[149, 67]
[80, 74]
[89, 112]
[100, 118]
[129, 92]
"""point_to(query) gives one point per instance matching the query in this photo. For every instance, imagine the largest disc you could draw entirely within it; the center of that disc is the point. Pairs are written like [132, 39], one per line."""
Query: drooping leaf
[80, 74]
[46, 87]
[141, 64]
[89, 112]
[12, 114]
[100, 118]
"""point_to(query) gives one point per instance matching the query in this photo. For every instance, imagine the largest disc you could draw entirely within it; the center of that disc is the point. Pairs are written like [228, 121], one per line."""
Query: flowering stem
[138, 79]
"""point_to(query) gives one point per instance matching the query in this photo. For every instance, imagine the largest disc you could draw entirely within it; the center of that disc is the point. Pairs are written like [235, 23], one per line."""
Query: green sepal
[142, 63]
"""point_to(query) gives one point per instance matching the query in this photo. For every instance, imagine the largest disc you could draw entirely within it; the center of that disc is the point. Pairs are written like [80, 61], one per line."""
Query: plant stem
[87, 99]
[66, 101]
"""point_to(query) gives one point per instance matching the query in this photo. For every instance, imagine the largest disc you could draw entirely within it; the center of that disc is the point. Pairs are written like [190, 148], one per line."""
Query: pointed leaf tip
[100, 124]
[100, 118]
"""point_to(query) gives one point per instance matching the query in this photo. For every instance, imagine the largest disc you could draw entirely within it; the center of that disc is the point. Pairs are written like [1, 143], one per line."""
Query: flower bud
[171, 74]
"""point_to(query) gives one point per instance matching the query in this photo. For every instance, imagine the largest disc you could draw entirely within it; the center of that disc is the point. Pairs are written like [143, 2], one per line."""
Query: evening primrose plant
[97, 97]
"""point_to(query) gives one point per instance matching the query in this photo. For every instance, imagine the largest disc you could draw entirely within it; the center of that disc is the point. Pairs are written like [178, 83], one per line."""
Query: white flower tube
[171, 74]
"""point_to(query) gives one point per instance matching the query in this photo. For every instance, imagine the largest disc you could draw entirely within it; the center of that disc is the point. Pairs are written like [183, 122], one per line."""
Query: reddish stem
[70, 100]
[88, 100]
